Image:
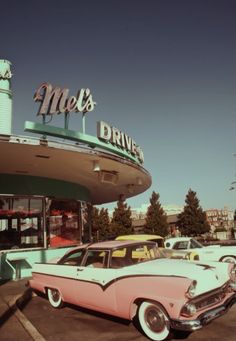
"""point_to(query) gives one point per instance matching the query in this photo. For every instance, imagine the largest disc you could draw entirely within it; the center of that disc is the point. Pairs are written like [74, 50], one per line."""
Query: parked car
[203, 253]
[174, 254]
[132, 280]
[151, 237]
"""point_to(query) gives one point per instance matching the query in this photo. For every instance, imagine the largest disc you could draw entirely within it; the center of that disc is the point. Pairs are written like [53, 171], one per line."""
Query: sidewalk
[13, 323]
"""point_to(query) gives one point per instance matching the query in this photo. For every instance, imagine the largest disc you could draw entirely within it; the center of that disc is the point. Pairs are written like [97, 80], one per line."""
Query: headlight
[191, 256]
[191, 289]
[189, 309]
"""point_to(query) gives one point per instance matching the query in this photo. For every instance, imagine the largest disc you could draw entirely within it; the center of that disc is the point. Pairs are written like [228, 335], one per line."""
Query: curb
[14, 308]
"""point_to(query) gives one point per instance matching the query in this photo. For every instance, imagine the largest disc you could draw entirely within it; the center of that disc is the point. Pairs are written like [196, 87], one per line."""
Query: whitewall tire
[154, 321]
[55, 298]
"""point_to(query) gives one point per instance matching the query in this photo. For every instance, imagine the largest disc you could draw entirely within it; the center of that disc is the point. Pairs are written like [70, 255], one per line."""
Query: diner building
[50, 177]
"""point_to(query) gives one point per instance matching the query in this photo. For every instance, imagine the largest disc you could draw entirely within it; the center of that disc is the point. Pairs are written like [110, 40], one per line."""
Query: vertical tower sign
[5, 97]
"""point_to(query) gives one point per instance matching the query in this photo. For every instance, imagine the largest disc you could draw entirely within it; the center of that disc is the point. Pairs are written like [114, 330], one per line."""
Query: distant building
[139, 224]
[221, 222]
[220, 218]
[140, 212]
[217, 218]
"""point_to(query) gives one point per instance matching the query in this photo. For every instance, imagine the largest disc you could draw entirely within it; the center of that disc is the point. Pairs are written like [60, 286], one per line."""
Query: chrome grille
[212, 298]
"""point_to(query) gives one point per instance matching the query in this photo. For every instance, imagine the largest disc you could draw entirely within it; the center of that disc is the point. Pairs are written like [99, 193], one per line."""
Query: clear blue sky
[163, 71]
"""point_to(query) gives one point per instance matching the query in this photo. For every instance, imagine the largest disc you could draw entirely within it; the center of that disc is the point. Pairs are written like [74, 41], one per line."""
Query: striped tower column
[5, 97]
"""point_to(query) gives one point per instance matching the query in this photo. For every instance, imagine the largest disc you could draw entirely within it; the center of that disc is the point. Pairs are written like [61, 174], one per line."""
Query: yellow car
[174, 254]
[144, 237]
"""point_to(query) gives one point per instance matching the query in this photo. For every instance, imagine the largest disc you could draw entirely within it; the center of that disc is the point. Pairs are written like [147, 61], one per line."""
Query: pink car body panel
[117, 298]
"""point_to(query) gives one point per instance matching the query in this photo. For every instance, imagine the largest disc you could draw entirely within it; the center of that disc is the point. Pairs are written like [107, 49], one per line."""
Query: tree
[95, 222]
[156, 219]
[100, 224]
[104, 230]
[121, 222]
[192, 221]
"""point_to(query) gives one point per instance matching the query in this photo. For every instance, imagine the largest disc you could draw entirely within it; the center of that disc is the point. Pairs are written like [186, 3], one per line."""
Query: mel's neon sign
[57, 100]
[5, 74]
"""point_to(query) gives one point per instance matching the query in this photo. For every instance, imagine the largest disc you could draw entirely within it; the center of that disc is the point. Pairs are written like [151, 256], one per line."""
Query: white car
[200, 252]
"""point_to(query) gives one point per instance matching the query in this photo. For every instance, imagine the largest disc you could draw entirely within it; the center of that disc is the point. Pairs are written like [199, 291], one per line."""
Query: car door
[95, 285]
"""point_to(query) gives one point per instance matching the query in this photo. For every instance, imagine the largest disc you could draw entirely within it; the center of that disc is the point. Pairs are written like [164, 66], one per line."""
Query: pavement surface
[13, 323]
[27, 317]
[77, 324]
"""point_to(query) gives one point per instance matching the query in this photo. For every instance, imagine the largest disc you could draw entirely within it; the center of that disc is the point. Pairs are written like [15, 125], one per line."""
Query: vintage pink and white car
[132, 280]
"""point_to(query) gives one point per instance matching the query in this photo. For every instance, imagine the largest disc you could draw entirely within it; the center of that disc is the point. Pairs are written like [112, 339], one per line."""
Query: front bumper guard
[204, 318]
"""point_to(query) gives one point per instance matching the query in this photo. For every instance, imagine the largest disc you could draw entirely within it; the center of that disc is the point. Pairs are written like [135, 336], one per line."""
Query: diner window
[21, 222]
[63, 222]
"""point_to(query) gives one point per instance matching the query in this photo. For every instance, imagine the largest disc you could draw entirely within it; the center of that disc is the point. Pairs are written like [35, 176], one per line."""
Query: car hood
[221, 247]
[216, 249]
[209, 276]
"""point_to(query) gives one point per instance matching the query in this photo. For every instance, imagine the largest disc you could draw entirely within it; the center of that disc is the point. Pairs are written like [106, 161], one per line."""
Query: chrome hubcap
[55, 295]
[155, 319]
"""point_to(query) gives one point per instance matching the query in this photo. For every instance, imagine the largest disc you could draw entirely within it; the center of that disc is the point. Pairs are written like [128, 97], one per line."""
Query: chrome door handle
[95, 280]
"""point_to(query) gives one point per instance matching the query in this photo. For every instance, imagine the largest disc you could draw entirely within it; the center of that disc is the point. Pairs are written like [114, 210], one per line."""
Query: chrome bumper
[204, 318]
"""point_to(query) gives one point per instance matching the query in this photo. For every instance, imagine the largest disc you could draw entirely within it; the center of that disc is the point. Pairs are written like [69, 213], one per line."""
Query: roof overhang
[105, 175]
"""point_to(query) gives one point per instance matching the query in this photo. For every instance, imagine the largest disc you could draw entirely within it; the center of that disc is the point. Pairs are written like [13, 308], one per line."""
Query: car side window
[182, 245]
[96, 259]
[73, 258]
[118, 258]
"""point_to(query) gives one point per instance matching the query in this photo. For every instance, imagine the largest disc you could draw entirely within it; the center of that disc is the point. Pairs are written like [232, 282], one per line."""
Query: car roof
[176, 239]
[142, 237]
[110, 244]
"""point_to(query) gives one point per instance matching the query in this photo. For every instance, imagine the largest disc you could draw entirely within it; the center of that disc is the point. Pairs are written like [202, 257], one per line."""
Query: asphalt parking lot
[75, 324]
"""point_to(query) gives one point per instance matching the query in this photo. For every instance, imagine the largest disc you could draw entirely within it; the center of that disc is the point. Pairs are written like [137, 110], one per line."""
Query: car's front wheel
[55, 298]
[154, 321]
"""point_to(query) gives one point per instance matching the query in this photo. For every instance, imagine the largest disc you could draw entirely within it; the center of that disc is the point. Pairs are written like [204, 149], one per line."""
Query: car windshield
[135, 254]
[187, 244]
[194, 244]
